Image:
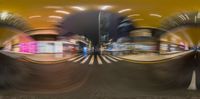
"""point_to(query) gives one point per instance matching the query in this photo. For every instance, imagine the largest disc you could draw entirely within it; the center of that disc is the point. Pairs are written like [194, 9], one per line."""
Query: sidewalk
[15, 55]
[152, 57]
[39, 57]
[48, 57]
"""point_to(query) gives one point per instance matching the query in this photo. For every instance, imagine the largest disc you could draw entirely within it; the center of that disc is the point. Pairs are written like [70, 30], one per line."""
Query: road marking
[79, 59]
[85, 59]
[105, 59]
[74, 58]
[115, 57]
[99, 60]
[91, 60]
[111, 58]
[193, 85]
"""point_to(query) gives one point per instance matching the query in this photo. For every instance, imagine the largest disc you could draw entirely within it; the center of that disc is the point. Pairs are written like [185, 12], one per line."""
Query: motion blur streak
[99, 49]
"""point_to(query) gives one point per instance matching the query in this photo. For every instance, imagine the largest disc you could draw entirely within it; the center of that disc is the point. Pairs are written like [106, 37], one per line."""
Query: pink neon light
[28, 47]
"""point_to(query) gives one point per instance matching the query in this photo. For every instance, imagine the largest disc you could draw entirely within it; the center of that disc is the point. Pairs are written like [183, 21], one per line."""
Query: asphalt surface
[116, 80]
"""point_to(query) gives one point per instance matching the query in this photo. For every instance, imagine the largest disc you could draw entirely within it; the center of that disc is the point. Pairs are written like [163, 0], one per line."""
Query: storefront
[20, 43]
[168, 47]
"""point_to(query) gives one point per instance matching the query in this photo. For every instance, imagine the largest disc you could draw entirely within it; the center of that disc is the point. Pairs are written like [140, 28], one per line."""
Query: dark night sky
[86, 23]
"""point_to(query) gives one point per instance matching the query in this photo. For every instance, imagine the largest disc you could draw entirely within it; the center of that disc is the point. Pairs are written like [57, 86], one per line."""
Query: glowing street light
[78, 8]
[105, 7]
[56, 17]
[35, 16]
[124, 10]
[62, 12]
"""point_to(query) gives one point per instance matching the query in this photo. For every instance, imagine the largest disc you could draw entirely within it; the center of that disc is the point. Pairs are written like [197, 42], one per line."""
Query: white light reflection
[133, 15]
[4, 15]
[78, 8]
[105, 7]
[195, 19]
[62, 12]
[35, 16]
[187, 17]
[55, 17]
[53, 7]
[182, 17]
[124, 10]
[198, 15]
[155, 15]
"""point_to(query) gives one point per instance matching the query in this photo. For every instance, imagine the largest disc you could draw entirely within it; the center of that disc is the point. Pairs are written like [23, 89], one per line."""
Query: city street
[99, 49]
[121, 79]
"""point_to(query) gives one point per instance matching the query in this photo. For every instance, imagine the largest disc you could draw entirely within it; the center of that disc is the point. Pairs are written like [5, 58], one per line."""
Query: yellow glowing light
[155, 15]
[35, 16]
[62, 11]
[4, 15]
[78, 8]
[56, 17]
[105, 7]
[124, 10]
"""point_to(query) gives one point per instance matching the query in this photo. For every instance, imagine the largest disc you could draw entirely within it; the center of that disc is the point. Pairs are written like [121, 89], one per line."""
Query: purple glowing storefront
[28, 47]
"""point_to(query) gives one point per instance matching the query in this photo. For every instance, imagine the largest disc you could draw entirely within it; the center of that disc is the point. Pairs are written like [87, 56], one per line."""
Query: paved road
[114, 80]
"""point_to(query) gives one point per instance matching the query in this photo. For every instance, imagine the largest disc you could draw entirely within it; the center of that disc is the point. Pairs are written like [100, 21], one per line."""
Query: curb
[44, 62]
[153, 62]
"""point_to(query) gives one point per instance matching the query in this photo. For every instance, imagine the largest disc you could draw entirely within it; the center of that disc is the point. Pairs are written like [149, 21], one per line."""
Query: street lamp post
[99, 22]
